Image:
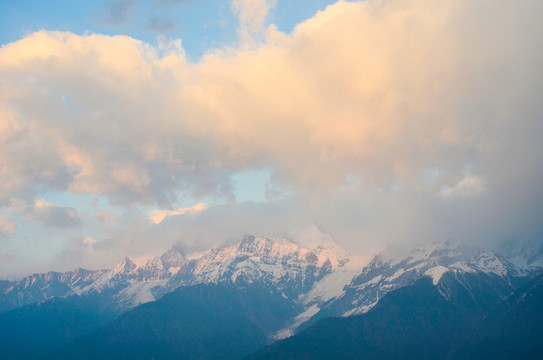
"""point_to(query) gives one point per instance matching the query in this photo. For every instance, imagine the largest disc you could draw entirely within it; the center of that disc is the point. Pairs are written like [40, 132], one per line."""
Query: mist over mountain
[266, 179]
[278, 269]
[233, 300]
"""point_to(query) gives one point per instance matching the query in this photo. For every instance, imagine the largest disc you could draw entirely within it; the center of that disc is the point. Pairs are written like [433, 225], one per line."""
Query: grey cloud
[7, 226]
[169, 3]
[78, 252]
[162, 24]
[51, 214]
[7, 257]
[199, 231]
[116, 12]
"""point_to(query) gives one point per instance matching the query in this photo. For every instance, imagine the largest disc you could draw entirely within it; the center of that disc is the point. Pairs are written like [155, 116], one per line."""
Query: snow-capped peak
[125, 266]
[164, 265]
[322, 245]
[276, 262]
[386, 273]
[174, 257]
[268, 249]
[253, 258]
[311, 237]
[526, 255]
[128, 272]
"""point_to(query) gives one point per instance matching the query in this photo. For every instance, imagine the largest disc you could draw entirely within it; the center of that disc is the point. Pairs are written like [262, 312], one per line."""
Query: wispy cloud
[116, 12]
[169, 3]
[157, 216]
[7, 257]
[468, 186]
[162, 24]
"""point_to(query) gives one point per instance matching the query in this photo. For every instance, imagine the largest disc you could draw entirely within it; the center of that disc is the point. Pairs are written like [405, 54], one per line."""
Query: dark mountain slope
[422, 321]
[513, 331]
[198, 322]
[34, 330]
[413, 322]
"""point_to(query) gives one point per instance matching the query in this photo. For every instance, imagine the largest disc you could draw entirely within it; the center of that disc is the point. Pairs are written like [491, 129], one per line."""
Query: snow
[418, 266]
[489, 263]
[422, 253]
[138, 293]
[375, 280]
[520, 262]
[174, 269]
[279, 263]
[436, 273]
[286, 265]
[360, 309]
[537, 264]
[462, 266]
[330, 286]
[396, 275]
[306, 315]
[434, 260]
[142, 261]
[271, 259]
[298, 320]
[322, 245]
[282, 334]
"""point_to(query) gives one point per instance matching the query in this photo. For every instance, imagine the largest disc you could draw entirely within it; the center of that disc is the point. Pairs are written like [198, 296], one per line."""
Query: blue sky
[202, 25]
[128, 126]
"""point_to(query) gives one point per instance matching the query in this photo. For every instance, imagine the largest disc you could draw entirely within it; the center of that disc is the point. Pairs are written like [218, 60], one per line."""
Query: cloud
[169, 3]
[49, 214]
[116, 12]
[198, 230]
[7, 226]
[89, 241]
[5, 257]
[157, 216]
[162, 24]
[252, 16]
[469, 186]
[87, 252]
[105, 217]
[350, 112]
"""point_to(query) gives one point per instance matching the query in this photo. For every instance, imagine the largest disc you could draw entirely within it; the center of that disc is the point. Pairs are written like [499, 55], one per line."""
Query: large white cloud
[353, 109]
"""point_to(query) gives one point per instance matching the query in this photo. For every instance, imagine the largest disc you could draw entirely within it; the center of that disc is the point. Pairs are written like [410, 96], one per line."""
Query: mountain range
[234, 300]
[418, 322]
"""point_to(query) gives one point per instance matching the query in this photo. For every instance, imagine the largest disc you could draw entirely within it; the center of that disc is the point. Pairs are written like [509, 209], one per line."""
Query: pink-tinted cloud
[350, 112]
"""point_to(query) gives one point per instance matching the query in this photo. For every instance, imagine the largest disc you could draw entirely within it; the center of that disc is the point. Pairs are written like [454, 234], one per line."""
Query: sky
[129, 126]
